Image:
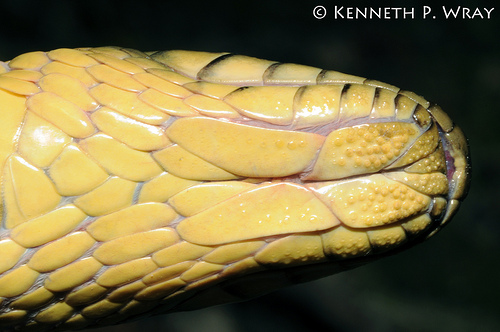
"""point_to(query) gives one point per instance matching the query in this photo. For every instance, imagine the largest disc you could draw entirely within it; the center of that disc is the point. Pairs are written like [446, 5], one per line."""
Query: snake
[140, 183]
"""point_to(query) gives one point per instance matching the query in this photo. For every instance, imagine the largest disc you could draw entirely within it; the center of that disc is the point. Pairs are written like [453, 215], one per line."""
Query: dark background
[449, 283]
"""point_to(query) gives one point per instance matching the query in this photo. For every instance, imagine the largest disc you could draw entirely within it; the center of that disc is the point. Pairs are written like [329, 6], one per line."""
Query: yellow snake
[144, 183]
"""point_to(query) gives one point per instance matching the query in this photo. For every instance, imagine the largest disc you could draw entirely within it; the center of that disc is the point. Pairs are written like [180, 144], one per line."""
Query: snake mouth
[458, 163]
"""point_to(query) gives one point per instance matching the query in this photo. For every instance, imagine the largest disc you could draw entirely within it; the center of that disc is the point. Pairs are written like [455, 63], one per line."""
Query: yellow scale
[176, 180]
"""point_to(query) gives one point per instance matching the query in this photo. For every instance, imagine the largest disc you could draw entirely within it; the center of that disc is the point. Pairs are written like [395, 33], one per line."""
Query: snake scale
[138, 183]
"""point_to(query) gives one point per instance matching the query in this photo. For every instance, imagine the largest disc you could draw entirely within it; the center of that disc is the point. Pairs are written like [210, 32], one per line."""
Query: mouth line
[450, 161]
[458, 170]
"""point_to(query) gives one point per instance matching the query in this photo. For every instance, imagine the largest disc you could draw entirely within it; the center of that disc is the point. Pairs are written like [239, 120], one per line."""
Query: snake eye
[136, 184]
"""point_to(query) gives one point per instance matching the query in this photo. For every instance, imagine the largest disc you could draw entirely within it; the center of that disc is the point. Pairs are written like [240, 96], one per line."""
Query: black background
[449, 283]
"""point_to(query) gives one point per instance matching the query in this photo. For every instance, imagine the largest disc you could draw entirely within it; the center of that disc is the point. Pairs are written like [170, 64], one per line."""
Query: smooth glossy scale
[137, 184]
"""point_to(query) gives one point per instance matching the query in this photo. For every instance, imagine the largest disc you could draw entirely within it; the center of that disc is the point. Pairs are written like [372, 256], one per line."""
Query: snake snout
[458, 163]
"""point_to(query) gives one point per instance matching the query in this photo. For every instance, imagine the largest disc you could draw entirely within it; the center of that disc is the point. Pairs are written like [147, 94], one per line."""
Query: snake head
[142, 183]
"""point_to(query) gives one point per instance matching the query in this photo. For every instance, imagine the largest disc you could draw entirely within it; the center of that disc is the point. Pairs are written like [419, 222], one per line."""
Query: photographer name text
[390, 13]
